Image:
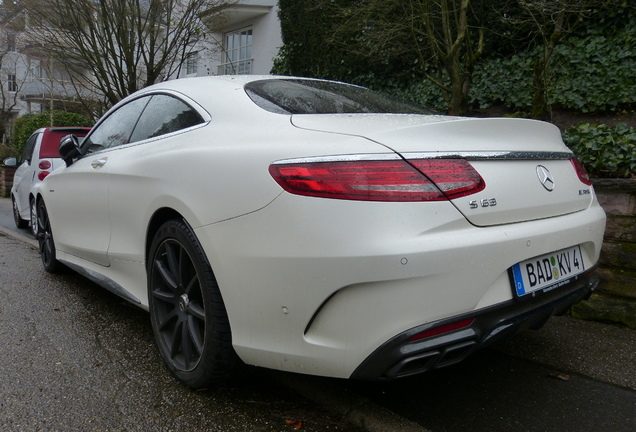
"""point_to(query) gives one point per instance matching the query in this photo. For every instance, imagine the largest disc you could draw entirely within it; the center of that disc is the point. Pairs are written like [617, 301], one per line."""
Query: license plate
[547, 272]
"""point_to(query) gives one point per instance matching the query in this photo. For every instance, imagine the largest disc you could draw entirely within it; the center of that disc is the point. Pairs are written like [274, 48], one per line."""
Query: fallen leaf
[297, 424]
[560, 376]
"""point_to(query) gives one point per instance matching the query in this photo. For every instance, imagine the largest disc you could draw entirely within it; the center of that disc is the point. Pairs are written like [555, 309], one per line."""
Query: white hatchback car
[318, 227]
[38, 159]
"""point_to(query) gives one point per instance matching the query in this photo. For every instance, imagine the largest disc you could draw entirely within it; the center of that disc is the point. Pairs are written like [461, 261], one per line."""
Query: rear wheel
[19, 222]
[45, 240]
[34, 217]
[187, 313]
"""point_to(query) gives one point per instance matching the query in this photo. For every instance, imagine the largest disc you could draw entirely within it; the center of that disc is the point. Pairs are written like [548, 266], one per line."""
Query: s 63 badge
[487, 202]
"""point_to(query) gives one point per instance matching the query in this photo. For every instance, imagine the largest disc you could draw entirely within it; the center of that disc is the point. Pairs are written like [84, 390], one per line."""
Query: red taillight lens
[380, 180]
[455, 177]
[441, 330]
[42, 175]
[44, 165]
[581, 171]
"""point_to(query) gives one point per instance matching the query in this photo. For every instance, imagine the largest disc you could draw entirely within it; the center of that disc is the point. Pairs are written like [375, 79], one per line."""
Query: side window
[165, 114]
[117, 129]
[27, 152]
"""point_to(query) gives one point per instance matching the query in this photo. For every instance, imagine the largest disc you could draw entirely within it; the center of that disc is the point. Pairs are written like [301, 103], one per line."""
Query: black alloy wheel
[19, 222]
[187, 313]
[45, 240]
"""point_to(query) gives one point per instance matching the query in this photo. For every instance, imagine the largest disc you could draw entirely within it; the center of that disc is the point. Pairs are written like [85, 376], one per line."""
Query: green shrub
[7, 151]
[24, 126]
[605, 151]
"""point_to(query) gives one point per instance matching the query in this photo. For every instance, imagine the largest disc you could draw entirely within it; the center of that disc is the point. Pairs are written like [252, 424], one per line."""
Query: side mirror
[69, 149]
[11, 162]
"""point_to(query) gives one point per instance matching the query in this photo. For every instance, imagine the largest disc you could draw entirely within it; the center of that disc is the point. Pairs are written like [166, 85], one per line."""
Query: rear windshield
[298, 96]
[51, 141]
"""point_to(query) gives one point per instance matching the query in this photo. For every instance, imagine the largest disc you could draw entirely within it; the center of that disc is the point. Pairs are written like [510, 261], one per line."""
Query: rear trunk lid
[524, 163]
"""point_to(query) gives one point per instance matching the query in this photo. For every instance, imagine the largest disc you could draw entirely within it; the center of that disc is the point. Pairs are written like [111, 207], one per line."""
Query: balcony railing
[241, 67]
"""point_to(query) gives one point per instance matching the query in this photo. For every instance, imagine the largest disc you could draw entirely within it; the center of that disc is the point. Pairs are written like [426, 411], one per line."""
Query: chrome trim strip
[468, 155]
[341, 158]
[488, 155]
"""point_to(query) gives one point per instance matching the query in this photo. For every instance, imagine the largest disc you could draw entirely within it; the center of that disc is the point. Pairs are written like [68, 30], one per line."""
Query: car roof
[68, 129]
[221, 96]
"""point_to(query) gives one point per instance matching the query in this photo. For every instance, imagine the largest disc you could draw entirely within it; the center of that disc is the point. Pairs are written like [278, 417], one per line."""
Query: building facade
[243, 39]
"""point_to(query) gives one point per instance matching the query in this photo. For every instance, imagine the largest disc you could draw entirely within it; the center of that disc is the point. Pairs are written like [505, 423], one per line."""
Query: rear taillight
[380, 180]
[581, 171]
[42, 175]
[44, 166]
[455, 177]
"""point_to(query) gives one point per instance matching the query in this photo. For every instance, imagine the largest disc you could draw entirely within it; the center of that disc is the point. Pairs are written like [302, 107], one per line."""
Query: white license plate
[547, 272]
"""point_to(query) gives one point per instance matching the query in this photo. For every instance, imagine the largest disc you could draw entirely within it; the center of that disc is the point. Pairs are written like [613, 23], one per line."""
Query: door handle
[98, 163]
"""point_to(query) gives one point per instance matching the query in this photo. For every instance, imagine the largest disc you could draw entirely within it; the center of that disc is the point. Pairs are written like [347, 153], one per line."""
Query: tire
[187, 313]
[19, 222]
[34, 217]
[45, 240]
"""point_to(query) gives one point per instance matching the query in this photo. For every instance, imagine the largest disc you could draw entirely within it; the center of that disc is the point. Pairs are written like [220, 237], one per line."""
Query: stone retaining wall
[6, 180]
[615, 299]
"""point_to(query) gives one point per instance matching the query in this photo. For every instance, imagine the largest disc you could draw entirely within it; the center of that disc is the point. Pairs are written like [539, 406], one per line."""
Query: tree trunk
[540, 110]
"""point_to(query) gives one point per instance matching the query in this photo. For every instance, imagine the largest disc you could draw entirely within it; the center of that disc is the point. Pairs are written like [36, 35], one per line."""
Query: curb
[9, 233]
[359, 411]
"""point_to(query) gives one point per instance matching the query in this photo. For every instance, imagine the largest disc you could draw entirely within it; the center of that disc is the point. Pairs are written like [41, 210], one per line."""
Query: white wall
[262, 17]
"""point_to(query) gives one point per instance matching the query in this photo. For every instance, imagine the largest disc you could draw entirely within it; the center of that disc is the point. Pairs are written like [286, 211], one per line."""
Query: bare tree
[115, 47]
[554, 21]
[445, 34]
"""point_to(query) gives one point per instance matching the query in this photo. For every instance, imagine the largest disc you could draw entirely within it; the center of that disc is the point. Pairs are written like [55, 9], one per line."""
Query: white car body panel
[89, 237]
[315, 285]
[514, 186]
[22, 181]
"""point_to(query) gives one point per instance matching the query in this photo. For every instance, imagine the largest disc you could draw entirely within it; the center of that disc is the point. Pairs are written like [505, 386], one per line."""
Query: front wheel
[45, 240]
[187, 312]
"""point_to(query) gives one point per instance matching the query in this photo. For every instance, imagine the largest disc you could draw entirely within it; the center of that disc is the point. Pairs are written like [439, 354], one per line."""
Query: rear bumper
[401, 357]
[319, 295]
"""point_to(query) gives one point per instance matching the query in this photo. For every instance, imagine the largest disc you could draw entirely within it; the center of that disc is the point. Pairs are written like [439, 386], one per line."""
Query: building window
[192, 63]
[238, 53]
[12, 84]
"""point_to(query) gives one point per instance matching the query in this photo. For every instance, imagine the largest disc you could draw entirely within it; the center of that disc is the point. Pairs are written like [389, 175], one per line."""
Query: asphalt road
[75, 357]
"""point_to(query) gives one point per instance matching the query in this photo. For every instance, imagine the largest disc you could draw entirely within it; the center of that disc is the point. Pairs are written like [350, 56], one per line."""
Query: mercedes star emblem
[545, 178]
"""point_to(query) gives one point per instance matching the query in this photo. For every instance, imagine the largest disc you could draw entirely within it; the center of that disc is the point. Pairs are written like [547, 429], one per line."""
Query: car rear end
[392, 244]
[49, 159]
[460, 233]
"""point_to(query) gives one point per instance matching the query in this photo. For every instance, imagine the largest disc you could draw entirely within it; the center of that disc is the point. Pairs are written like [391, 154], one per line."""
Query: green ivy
[24, 126]
[506, 82]
[591, 73]
[605, 151]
